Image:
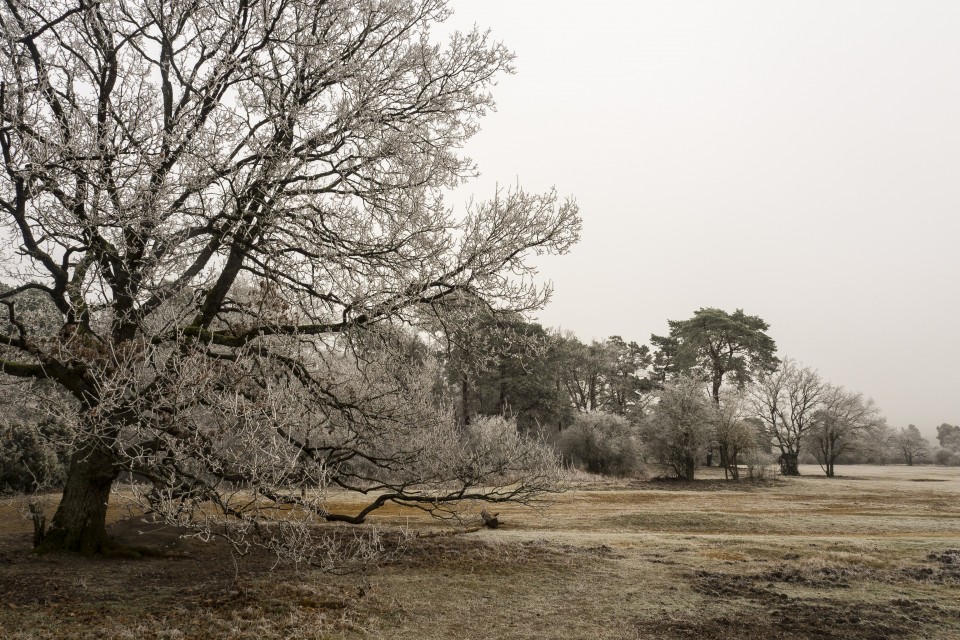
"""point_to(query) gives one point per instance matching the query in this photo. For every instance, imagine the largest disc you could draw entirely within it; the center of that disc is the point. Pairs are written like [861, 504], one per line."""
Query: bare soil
[874, 554]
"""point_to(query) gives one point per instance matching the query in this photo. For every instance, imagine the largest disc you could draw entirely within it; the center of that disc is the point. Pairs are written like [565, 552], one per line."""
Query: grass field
[872, 554]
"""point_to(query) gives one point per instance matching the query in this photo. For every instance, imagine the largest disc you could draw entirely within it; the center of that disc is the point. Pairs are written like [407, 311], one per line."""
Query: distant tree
[735, 432]
[717, 346]
[627, 389]
[786, 400]
[880, 446]
[667, 363]
[522, 383]
[609, 375]
[720, 346]
[949, 436]
[912, 445]
[460, 326]
[33, 456]
[843, 421]
[680, 427]
[503, 364]
[584, 369]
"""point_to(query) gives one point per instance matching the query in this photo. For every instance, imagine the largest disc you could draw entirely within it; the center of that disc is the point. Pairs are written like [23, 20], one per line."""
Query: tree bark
[715, 391]
[79, 524]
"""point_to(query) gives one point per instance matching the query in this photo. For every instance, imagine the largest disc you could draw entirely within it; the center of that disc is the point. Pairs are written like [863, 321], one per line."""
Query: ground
[870, 555]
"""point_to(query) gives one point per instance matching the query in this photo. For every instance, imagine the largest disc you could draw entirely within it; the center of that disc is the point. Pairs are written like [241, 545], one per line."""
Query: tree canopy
[234, 206]
[718, 346]
[948, 436]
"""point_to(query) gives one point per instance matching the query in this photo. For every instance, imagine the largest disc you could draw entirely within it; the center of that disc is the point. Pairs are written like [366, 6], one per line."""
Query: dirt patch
[944, 568]
[786, 621]
[774, 614]
[827, 610]
[818, 578]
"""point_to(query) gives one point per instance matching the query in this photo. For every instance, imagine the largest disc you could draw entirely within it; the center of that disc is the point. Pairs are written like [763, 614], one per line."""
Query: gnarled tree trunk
[79, 524]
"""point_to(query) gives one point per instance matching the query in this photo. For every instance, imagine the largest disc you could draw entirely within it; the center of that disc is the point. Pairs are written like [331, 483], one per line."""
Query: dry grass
[872, 554]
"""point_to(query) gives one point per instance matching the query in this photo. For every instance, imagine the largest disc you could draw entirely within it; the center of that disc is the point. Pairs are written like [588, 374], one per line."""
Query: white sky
[799, 160]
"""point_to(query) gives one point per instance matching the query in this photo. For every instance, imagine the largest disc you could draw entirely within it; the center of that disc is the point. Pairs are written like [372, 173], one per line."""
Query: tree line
[711, 391]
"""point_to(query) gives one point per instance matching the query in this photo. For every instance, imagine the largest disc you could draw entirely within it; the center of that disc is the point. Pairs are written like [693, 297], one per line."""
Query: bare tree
[843, 421]
[786, 400]
[734, 431]
[233, 205]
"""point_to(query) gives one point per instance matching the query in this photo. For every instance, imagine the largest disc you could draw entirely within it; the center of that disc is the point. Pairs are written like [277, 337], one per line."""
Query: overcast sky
[799, 160]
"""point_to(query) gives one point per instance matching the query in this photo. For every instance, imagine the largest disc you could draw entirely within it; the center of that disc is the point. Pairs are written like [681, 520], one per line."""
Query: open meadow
[874, 553]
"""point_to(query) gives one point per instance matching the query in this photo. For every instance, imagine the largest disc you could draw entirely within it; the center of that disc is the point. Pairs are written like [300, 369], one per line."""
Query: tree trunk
[690, 468]
[789, 464]
[79, 524]
[465, 400]
[724, 459]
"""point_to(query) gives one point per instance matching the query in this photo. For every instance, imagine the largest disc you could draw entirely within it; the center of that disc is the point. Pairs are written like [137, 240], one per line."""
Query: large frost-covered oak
[235, 207]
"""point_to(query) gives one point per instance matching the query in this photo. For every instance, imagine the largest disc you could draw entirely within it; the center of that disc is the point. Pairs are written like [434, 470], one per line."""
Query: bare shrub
[946, 457]
[760, 464]
[603, 443]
